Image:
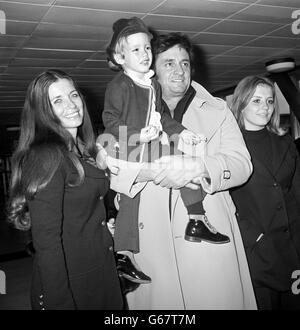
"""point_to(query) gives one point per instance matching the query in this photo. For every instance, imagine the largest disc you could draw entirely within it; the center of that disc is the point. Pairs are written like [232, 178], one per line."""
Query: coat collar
[204, 96]
[89, 164]
[147, 78]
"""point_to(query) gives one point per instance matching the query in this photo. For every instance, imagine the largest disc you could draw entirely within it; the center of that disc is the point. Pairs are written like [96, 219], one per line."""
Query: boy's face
[137, 55]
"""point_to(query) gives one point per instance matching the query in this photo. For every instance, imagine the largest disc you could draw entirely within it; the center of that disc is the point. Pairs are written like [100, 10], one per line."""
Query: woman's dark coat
[74, 266]
[269, 203]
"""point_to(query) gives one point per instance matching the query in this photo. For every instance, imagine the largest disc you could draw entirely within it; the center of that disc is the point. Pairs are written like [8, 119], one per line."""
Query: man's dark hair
[163, 42]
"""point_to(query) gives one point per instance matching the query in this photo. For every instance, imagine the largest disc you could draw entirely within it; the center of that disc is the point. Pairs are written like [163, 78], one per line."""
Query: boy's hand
[148, 134]
[190, 137]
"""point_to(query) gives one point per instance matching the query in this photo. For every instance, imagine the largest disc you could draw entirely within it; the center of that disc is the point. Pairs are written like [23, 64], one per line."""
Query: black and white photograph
[150, 157]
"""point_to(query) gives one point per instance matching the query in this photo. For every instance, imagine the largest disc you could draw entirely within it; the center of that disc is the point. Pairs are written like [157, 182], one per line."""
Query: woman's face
[66, 104]
[259, 110]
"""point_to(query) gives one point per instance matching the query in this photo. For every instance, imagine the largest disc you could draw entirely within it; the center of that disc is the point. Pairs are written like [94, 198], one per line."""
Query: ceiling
[234, 38]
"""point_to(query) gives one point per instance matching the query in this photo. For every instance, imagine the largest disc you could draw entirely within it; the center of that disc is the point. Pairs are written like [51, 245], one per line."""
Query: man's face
[173, 70]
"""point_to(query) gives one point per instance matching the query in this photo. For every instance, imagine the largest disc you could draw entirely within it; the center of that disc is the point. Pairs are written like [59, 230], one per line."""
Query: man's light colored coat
[189, 275]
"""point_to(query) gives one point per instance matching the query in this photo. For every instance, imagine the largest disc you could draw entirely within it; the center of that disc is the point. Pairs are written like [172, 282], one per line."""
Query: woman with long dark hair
[57, 192]
[268, 204]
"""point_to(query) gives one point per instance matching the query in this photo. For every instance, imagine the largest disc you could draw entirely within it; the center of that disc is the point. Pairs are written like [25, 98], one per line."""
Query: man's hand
[179, 171]
[149, 133]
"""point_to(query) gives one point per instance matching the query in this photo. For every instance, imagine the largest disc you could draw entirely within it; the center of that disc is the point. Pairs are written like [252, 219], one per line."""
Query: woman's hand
[101, 158]
[111, 225]
[104, 161]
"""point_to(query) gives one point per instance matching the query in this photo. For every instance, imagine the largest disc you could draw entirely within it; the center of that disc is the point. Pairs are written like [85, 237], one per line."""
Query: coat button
[110, 248]
[41, 296]
[275, 184]
[100, 198]
[141, 225]
[103, 223]
[226, 174]
[41, 303]
[43, 309]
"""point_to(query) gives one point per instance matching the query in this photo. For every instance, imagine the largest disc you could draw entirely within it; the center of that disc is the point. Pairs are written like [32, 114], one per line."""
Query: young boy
[133, 100]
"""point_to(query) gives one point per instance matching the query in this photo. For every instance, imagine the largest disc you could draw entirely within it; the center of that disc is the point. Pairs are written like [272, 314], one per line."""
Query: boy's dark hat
[124, 27]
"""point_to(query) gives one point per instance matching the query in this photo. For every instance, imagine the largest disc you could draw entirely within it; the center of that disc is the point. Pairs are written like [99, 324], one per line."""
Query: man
[187, 275]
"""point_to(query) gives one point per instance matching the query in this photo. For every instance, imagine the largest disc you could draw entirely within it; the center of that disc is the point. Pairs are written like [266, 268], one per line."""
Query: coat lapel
[261, 169]
[279, 149]
[205, 113]
[91, 170]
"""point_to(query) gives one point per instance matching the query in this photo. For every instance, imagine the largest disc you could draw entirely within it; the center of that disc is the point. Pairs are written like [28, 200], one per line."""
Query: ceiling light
[280, 65]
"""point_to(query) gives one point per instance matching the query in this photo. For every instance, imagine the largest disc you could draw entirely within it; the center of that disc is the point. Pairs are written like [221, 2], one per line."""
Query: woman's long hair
[42, 146]
[242, 96]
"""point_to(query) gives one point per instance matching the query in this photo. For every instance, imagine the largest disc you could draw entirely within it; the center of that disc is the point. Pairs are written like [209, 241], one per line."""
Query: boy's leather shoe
[127, 286]
[127, 270]
[198, 230]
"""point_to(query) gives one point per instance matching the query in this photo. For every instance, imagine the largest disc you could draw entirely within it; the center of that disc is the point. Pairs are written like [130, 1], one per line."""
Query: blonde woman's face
[259, 110]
